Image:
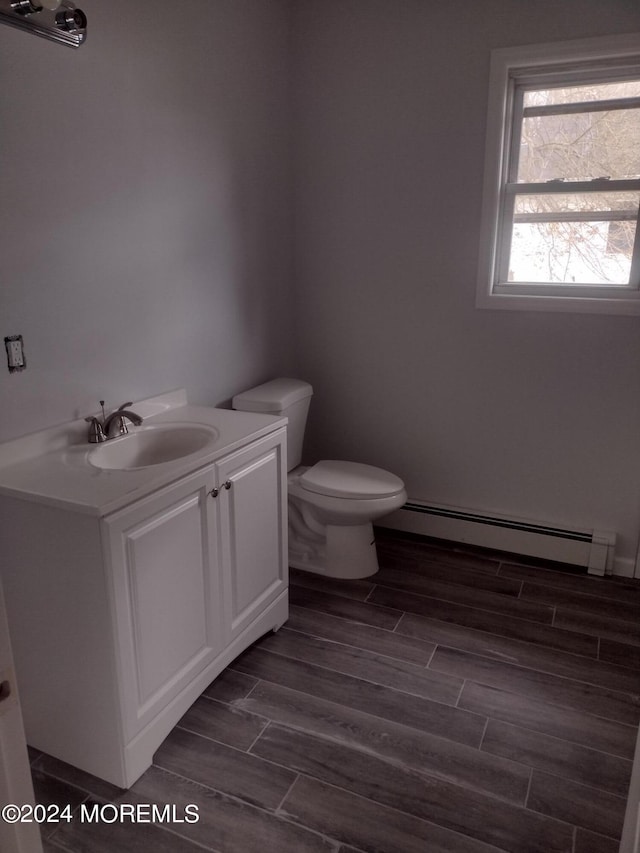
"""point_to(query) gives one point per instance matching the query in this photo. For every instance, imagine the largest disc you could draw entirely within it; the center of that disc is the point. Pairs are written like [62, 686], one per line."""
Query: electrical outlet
[15, 353]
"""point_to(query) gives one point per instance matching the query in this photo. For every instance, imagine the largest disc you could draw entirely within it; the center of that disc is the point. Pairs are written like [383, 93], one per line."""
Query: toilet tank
[288, 397]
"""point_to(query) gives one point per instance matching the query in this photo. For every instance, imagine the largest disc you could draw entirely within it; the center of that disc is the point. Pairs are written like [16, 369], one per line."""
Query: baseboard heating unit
[592, 549]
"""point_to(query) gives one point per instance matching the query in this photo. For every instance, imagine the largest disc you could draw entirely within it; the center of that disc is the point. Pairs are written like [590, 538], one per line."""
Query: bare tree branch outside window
[577, 134]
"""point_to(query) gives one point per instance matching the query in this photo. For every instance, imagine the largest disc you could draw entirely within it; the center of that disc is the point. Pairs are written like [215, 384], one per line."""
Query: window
[562, 178]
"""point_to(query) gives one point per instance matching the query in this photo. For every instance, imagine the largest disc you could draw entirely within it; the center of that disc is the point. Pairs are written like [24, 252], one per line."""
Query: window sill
[621, 305]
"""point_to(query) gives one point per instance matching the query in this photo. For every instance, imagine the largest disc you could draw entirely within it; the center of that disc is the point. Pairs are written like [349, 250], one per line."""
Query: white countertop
[52, 467]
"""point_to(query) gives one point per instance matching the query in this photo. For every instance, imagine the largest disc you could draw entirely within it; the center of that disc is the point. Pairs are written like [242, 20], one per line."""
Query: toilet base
[345, 551]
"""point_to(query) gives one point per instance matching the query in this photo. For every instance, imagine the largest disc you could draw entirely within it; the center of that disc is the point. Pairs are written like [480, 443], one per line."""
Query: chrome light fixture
[57, 20]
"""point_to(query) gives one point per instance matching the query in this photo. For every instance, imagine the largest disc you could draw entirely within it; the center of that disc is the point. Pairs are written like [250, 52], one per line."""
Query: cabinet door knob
[216, 491]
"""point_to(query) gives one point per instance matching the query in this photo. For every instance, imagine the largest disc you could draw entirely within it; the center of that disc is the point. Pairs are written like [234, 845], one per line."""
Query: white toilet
[331, 504]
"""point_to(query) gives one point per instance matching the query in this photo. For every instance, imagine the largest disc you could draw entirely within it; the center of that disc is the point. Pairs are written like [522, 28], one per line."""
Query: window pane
[580, 146]
[584, 238]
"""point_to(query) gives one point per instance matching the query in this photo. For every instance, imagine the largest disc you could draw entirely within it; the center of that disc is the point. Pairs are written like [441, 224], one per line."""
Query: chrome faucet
[116, 423]
[113, 425]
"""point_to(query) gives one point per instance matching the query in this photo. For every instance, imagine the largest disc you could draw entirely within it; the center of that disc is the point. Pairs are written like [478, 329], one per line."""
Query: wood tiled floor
[457, 701]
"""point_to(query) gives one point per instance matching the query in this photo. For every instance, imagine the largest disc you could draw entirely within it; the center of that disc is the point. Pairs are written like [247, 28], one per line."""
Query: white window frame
[604, 58]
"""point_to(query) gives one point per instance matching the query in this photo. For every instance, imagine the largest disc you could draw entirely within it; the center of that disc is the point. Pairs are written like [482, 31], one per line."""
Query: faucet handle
[117, 425]
[96, 433]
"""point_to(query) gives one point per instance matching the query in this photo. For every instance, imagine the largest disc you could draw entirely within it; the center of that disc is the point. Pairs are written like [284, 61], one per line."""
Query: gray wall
[146, 224]
[528, 414]
[145, 206]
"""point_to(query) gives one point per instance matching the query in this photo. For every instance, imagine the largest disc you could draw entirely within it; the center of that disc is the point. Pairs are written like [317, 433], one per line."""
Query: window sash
[511, 188]
[508, 218]
[570, 292]
[515, 70]
[578, 216]
[597, 185]
[631, 103]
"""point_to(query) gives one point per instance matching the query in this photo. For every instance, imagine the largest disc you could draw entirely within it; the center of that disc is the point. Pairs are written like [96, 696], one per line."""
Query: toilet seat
[350, 480]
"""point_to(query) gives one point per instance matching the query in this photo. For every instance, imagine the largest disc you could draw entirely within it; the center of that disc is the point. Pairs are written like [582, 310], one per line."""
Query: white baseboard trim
[593, 549]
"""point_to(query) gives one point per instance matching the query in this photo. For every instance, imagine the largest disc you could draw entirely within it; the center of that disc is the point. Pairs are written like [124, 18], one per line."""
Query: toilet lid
[350, 480]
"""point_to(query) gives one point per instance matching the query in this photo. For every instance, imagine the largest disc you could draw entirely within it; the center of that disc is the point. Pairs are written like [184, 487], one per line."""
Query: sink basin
[153, 445]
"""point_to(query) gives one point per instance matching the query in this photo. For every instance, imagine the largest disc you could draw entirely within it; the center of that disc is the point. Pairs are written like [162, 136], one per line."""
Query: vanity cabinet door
[252, 505]
[167, 597]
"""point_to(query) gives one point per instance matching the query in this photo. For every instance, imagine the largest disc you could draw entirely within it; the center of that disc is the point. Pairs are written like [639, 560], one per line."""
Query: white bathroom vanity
[129, 589]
